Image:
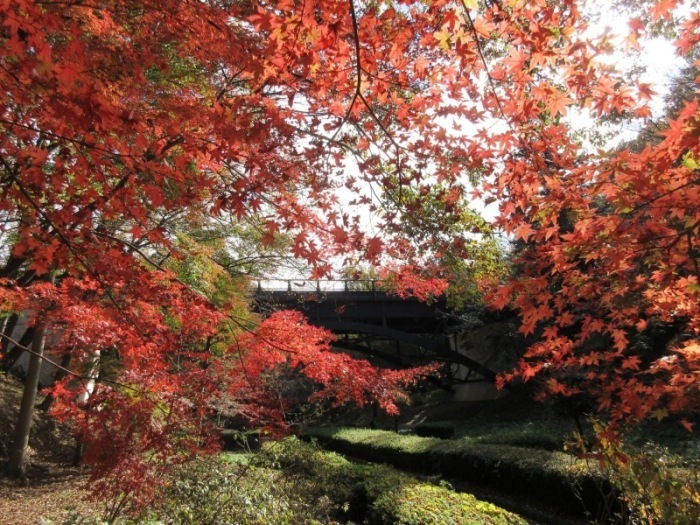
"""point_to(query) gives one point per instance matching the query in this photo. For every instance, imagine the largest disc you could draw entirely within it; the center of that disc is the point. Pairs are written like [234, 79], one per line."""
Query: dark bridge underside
[430, 348]
[402, 331]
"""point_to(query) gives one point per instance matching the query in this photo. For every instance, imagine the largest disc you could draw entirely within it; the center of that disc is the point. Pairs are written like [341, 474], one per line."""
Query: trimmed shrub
[554, 478]
[422, 504]
[296, 483]
[381, 494]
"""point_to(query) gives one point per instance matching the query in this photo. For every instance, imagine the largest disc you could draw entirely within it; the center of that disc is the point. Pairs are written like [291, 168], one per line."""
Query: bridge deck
[344, 301]
[370, 319]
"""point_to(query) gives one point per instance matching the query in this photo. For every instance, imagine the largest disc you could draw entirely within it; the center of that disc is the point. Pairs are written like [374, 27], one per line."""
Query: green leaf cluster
[657, 486]
[554, 478]
[380, 494]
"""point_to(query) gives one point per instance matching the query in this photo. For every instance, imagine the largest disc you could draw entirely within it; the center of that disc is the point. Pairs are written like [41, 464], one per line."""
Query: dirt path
[53, 487]
[50, 494]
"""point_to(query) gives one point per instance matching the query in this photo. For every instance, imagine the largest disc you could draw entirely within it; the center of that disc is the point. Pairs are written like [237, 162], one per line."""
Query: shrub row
[557, 479]
[380, 494]
[296, 483]
[422, 504]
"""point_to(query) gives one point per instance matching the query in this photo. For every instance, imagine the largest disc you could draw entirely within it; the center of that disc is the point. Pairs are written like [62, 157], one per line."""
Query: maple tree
[117, 116]
[610, 252]
[124, 121]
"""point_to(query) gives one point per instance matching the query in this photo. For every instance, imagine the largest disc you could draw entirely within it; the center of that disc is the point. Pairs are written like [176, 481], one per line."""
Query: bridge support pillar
[468, 384]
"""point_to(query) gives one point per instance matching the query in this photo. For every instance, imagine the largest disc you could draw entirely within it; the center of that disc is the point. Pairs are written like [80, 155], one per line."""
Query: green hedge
[554, 478]
[438, 429]
[380, 494]
[296, 483]
[422, 504]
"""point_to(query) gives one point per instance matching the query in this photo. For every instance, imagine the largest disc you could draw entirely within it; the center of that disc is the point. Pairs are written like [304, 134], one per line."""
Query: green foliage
[471, 252]
[555, 478]
[530, 436]
[311, 470]
[240, 439]
[379, 493]
[292, 482]
[411, 504]
[657, 487]
[229, 489]
[224, 490]
[486, 262]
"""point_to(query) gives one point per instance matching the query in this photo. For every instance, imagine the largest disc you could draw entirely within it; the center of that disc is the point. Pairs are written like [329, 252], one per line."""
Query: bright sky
[657, 55]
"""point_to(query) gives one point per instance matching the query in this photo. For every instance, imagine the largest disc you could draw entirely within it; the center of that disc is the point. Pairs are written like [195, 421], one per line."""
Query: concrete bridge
[369, 319]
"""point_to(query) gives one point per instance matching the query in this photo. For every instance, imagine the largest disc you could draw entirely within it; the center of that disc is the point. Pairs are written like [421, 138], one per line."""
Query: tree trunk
[9, 324]
[17, 454]
[14, 353]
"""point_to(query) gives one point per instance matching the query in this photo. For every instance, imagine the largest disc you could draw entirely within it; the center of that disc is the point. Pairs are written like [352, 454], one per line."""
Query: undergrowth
[297, 483]
[655, 485]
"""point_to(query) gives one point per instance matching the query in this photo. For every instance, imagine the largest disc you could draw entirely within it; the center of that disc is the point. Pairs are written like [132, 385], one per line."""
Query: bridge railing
[319, 286]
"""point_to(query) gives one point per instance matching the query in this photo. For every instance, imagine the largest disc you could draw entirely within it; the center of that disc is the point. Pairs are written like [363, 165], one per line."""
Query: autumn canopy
[132, 130]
